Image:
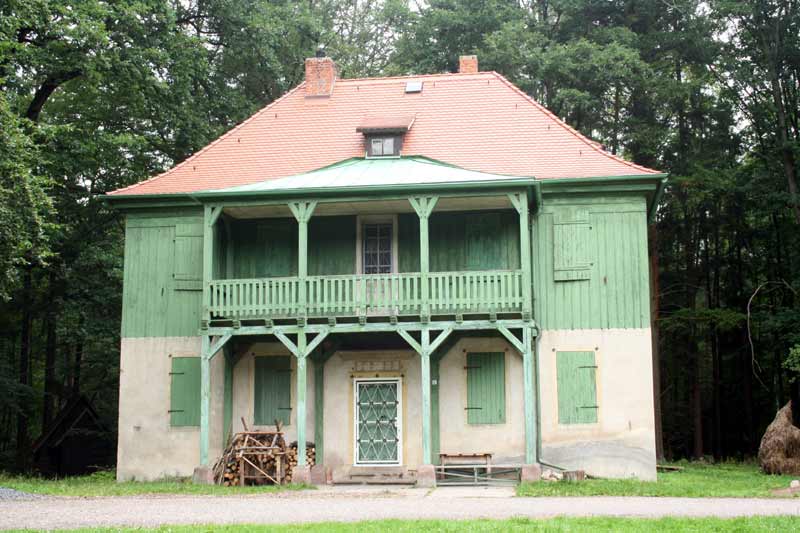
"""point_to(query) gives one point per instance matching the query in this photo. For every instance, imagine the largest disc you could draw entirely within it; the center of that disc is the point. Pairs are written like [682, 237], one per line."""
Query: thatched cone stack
[779, 452]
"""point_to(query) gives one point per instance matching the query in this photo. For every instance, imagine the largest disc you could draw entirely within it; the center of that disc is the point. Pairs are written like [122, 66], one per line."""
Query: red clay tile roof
[476, 121]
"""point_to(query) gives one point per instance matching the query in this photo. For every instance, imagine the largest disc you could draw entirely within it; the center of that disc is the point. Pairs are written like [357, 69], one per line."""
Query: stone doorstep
[369, 475]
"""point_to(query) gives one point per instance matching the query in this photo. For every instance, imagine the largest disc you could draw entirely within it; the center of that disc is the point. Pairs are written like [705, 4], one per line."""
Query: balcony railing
[495, 291]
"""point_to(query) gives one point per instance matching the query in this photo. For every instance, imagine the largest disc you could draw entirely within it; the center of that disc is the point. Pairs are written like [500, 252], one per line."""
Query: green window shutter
[184, 404]
[577, 387]
[188, 275]
[273, 398]
[572, 244]
[486, 388]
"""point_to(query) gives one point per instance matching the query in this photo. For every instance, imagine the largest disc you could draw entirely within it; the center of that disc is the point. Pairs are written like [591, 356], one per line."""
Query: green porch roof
[377, 173]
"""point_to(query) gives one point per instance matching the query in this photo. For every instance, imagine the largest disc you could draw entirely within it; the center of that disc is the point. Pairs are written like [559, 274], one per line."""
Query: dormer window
[381, 146]
[383, 136]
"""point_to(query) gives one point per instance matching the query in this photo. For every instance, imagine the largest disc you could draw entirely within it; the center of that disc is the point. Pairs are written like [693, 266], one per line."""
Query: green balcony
[472, 292]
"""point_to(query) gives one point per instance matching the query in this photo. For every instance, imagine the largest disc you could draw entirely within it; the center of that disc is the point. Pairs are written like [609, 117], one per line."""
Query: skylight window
[414, 87]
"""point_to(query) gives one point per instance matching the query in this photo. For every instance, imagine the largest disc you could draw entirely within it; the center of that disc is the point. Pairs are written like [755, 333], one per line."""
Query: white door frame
[399, 383]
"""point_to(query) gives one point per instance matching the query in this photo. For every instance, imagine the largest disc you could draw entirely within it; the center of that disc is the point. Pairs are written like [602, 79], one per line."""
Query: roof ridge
[212, 143]
[406, 76]
[594, 145]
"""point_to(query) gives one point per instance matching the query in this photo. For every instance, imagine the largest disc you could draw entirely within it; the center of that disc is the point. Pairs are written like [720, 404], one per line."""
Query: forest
[99, 94]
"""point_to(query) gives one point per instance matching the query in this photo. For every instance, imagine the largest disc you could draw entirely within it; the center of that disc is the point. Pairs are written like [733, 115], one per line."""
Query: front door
[378, 426]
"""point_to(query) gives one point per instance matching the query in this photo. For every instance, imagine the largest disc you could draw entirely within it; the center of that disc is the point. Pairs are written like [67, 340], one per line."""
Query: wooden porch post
[302, 211]
[205, 397]
[301, 398]
[529, 395]
[526, 349]
[425, 348]
[207, 352]
[210, 216]
[425, 359]
[520, 202]
[424, 205]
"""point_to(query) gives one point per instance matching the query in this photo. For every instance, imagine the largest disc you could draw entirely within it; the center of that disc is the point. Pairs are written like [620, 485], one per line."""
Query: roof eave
[370, 190]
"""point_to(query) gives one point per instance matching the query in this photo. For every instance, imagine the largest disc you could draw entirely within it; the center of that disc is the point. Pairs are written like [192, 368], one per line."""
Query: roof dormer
[383, 136]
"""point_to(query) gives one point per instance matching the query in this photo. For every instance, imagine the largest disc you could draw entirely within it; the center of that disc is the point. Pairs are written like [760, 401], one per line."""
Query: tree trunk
[50, 385]
[654, 340]
[23, 444]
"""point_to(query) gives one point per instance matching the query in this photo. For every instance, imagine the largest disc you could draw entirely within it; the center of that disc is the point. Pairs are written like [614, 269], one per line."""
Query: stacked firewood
[252, 458]
[291, 458]
[259, 458]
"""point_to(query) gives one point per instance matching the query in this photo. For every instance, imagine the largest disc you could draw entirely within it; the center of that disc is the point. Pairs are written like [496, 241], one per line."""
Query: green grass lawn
[104, 484]
[697, 480]
[572, 525]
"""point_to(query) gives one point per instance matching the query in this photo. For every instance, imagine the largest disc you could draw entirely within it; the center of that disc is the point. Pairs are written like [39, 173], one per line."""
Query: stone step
[357, 475]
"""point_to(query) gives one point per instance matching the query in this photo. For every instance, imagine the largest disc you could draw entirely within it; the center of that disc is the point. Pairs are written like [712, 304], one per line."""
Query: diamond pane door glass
[377, 423]
[377, 253]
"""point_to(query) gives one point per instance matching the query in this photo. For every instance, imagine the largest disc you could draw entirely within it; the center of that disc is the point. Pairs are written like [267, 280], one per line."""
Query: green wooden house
[399, 270]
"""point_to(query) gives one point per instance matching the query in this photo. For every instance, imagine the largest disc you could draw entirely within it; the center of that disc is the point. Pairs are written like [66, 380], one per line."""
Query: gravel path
[12, 494]
[360, 504]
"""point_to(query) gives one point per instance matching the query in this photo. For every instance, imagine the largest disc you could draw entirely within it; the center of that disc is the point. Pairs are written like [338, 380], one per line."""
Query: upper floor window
[383, 146]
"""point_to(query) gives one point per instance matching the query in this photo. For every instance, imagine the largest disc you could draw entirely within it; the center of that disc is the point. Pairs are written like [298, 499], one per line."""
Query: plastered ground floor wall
[620, 444]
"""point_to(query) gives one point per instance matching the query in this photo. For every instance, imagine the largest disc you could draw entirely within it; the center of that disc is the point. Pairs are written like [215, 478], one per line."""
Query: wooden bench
[451, 463]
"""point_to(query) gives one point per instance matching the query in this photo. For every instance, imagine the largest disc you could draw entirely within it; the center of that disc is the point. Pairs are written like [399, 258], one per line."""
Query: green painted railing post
[205, 397]
[520, 202]
[302, 211]
[227, 415]
[424, 205]
[529, 395]
[301, 398]
[425, 359]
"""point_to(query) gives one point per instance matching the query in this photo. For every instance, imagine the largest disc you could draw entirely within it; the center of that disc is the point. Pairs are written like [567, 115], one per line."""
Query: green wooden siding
[184, 404]
[617, 295]
[486, 389]
[332, 246]
[163, 255]
[462, 241]
[577, 389]
[264, 248]
[273, 397]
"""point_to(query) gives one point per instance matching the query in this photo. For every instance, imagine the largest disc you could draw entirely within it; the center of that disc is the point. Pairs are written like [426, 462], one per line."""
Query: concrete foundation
[203, 475]
[426, 476]
[531, 473]
[301, 474]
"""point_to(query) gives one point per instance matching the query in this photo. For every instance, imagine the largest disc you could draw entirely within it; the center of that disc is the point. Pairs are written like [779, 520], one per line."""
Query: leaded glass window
[377, 252]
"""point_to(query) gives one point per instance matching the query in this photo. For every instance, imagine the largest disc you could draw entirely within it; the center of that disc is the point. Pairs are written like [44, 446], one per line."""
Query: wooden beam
[511, 338]
[440, 339]
[410, 340]
[286, 341]
[216, 211]
[217, 346]
[467, 325]
[314, 343]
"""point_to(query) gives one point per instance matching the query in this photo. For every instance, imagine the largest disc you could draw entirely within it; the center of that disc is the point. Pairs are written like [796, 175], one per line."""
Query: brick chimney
[320, 75]
[468, 64]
